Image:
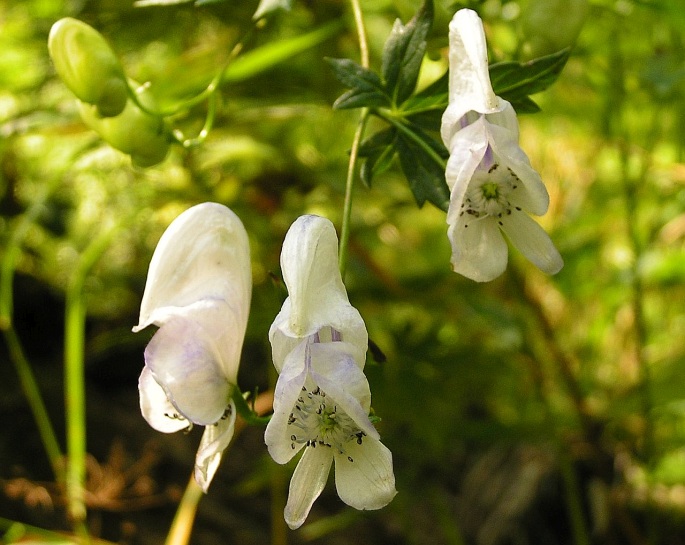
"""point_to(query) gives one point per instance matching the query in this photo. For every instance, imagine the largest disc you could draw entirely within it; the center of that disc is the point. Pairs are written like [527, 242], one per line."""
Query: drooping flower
[493, 187]
[198, 293]
[322, 398]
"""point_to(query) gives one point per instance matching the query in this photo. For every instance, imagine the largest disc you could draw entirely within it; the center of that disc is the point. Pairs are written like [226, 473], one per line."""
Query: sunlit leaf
[267, 56]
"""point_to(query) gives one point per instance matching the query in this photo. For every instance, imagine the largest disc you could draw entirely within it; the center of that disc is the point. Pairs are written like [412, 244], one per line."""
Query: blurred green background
[531, 409]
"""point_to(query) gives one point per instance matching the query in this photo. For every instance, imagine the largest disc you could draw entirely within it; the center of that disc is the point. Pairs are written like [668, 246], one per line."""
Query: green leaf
[421, 161]
[514, 81]
[366, 87]
[379, 152]
[525, 105]
[263, 58]
[403, 53]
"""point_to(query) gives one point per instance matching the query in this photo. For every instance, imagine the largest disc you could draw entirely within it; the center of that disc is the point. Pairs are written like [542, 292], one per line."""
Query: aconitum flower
[198, 293]
[493, 187]
[322, 398]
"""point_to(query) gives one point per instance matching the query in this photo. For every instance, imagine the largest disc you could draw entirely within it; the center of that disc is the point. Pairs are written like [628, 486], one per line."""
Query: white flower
[322, 398]
[198, 293]
[492, 185]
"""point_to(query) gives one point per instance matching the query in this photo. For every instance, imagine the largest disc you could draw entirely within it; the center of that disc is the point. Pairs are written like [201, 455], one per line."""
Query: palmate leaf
[403, 53]
[378, 152]
[515, 81]
[422, 160]
[366, 90]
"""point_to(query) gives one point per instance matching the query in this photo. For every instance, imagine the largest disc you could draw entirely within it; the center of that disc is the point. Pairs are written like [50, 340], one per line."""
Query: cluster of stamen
[317, 421]
[488, 193]
[176, 416]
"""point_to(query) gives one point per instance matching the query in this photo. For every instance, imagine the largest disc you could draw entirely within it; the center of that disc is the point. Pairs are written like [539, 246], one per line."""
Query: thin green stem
[246, 412]
[35, 401]
[74, 381]
[356, 142]
[361, 33]
[182, 525]
[25, 373]
[349, 187]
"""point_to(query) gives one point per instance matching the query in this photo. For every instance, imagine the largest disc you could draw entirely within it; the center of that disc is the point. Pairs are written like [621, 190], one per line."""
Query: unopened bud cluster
[90, 69]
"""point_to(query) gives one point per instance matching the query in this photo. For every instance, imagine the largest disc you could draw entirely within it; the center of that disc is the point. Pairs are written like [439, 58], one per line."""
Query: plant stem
[27, 378]
[356, 141]
[349, 186]
[35, 401]
[182, 525]
[74, 381]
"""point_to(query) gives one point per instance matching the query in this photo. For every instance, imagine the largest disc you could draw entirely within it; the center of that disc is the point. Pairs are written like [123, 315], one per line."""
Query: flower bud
[87, 65]
[134, 131]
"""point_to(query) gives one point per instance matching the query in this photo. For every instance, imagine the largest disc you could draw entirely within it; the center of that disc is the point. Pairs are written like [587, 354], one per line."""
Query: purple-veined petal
[155, 406]
[203, 254]
[185, 362]
[215, 439]
[533, 242]
[479, 251]
[306, 484]
[368, 481]
[334, 370]
[288, 389]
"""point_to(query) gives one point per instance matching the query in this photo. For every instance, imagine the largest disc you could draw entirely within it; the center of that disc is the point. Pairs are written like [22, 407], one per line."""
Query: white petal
[533, 242]
[470, 146]
[203, 254]
[214, 441]
[535, 199]
[368, 481]
[335, 371]
[309, 261]
[184, 360]
[479, 251]
[155, 406]
[282, 343]
[307, 482]
[288, 389]
[317, 296]
[469, 80]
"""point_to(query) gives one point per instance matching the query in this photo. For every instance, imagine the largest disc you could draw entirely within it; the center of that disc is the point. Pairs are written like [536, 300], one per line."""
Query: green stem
[182, 525]
[27, 378]
[75, 399]
[349, 186]
[35, 401]
[246, 412]
[356, 142]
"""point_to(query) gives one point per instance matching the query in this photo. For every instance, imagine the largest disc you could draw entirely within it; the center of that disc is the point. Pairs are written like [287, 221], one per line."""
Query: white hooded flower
[492, 185]
[198, 293]
[322, 398]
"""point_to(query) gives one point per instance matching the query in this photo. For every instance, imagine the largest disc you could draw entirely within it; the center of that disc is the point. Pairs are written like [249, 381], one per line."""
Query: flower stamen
[322, 423]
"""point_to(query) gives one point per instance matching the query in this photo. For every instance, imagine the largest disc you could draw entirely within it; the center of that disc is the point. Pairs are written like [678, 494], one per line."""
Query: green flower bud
[88, 66]
[134, 131]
